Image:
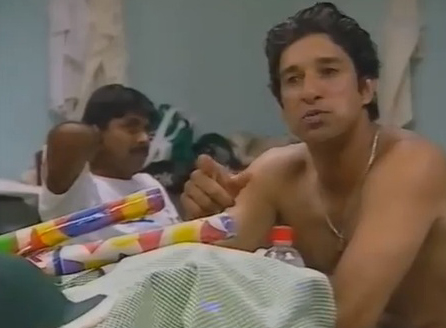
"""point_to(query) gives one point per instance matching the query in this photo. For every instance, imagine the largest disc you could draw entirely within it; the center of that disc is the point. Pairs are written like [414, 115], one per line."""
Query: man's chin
[137, 166]
[316, 136]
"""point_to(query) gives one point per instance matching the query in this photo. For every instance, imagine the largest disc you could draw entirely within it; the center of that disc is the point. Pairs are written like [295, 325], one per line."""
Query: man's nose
[143, 137]
[310, 90]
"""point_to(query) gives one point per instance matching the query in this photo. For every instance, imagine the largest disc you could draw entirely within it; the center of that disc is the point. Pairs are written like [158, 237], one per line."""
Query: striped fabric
[202, 286]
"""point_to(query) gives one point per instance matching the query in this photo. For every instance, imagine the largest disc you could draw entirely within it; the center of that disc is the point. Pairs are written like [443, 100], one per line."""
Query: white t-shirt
[90, 190]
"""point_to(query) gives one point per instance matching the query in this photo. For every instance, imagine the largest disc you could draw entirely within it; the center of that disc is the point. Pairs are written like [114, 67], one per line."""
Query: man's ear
[367, 88]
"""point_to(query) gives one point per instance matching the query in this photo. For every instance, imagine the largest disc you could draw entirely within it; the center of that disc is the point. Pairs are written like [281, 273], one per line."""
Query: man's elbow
[355, 319]
[348, 322]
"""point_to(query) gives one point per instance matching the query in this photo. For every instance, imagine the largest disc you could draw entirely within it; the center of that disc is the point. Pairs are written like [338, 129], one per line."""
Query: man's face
[125, 143]
[320, 94]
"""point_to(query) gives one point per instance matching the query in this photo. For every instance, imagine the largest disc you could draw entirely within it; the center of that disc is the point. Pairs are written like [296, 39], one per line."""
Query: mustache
[140, 150]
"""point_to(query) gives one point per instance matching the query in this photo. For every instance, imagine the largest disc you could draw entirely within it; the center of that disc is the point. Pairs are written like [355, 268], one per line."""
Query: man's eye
[329, 71]
[293, 79]
[131, 127]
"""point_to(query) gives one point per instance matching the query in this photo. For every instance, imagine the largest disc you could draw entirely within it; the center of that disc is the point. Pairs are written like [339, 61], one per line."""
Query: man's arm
[69, 147]
[404, 196]
[254, 210]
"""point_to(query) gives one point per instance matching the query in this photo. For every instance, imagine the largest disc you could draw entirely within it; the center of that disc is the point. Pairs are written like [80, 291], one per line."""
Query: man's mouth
[313, 118]
[313, 113]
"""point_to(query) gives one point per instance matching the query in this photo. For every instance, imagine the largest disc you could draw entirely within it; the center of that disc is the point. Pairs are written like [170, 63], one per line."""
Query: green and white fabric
[202, 286]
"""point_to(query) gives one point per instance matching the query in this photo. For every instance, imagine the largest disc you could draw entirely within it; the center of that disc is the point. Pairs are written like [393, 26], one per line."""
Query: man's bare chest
[318, 244]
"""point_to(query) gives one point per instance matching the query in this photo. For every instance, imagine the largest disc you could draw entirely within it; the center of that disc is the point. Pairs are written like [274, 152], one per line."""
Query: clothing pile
[174, 150]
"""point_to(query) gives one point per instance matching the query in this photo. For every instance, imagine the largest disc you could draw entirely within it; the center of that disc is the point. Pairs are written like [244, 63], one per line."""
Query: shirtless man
[367, 203]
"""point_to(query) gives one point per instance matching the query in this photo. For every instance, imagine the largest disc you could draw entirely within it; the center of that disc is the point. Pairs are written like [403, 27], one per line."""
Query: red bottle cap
[282, 234]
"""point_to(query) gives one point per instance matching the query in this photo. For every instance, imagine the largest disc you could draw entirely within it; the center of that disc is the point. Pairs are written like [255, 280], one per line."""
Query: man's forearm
[235, 243]
[69, 147]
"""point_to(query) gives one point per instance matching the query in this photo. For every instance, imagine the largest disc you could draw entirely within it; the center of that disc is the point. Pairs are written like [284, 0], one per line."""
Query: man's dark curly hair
[114, 101]
[326, 18]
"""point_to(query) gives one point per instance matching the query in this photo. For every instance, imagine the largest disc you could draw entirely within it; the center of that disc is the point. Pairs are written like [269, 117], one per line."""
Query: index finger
[209, 166]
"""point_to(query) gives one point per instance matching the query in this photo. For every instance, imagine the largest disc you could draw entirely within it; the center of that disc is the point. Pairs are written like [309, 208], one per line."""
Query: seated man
[367, 203]
[98, 160]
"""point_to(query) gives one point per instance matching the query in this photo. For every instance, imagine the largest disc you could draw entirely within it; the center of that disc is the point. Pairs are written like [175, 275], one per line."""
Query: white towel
[401, 39]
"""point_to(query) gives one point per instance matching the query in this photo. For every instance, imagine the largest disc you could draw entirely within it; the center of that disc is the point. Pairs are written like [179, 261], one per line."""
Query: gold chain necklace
[340, 234]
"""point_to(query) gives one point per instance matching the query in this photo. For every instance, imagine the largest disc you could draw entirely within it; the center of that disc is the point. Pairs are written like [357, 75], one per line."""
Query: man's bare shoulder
[281, 160]
[407, 149]
[411, 163]
[276, 167]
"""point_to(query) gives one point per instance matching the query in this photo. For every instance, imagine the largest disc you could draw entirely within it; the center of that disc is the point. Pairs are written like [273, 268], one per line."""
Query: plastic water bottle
[282, 249]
